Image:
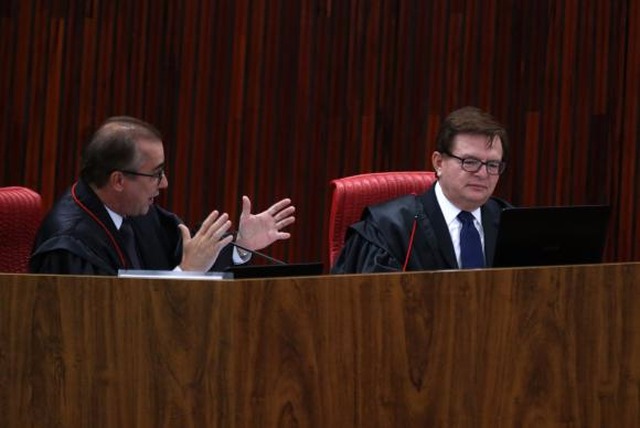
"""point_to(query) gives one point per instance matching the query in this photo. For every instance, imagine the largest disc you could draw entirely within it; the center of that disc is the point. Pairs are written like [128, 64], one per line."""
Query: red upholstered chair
[20, 216]
[350, 195]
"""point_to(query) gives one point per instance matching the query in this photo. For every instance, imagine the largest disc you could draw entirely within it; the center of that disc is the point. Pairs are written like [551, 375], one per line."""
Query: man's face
[140, 191]
[468, 190]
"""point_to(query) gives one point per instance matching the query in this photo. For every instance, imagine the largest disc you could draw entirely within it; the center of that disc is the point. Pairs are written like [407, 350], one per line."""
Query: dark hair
[471, 120]
[113, 147]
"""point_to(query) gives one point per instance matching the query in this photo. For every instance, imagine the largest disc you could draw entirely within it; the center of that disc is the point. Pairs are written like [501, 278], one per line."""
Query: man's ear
[436, 161]
[116, 180]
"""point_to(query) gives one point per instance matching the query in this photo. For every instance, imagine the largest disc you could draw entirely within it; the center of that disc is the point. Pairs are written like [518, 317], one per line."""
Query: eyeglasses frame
[502, 165]
[157, 175]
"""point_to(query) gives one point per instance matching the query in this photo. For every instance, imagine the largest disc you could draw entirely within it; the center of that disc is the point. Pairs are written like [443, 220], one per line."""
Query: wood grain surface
[540, 347]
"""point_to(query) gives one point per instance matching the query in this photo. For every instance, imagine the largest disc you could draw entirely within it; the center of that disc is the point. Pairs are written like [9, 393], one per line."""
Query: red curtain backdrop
[274, 98]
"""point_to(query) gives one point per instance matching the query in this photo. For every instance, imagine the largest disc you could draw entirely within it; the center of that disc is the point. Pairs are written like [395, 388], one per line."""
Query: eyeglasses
[473, 165]
[157, 175]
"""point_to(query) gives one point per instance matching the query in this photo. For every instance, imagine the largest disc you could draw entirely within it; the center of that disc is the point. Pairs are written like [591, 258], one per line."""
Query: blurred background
[274, 98]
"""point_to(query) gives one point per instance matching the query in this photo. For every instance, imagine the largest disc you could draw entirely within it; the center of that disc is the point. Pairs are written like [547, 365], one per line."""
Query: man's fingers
[206, 224]
[221, 227]
[209, 229]
[285, 222]
[246, 205]
[283, 235]
[279, 206]
[186, 235]
[201, 251]
[225, 241]
[284, 213]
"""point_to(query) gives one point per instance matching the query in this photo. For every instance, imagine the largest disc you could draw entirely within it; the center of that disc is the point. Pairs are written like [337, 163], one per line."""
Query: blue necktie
[471, 255]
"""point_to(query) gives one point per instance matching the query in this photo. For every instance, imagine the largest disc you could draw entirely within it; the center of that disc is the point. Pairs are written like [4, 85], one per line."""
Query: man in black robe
[424, 232]
[108, 220]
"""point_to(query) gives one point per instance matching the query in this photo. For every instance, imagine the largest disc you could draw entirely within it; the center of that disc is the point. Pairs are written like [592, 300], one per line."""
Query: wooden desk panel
[512, 347]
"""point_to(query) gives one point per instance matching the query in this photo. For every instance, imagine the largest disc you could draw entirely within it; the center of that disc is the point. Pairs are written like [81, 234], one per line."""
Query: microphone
[253, 252]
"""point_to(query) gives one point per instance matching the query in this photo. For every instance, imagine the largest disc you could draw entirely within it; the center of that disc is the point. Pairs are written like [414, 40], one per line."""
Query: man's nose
[164, 182]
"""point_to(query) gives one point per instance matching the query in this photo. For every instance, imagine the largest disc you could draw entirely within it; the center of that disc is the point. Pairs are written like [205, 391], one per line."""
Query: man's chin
[144, 210]
[478, 199]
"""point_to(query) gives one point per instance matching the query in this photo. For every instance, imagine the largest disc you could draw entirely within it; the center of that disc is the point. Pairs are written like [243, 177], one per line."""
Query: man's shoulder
[406, 205]
[69, 231]
[72, 224]
[496, 204]
[389, 216]
[64, 217]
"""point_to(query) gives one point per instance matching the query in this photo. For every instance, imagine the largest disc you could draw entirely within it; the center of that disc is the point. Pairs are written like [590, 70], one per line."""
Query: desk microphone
[253, 252]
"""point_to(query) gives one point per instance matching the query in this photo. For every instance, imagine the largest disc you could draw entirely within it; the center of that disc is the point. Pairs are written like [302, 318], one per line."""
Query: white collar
[450, 211]
[115, 217]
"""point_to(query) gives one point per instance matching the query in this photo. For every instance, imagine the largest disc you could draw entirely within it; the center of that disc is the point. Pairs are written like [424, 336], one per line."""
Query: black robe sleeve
[378, 243]
[360, 255]
[61, 262]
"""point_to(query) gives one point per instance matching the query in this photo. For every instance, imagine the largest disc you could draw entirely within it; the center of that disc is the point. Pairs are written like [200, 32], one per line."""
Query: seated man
[455, 223]
[108, 221]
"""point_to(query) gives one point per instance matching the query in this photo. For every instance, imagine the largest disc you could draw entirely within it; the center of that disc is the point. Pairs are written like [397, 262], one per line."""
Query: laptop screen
[541, 236]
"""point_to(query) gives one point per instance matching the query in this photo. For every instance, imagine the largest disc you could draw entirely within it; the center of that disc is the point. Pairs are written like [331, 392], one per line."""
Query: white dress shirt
[450, 213]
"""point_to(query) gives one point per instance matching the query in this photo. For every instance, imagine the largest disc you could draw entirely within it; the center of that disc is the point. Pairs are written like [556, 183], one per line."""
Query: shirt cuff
[240, 258]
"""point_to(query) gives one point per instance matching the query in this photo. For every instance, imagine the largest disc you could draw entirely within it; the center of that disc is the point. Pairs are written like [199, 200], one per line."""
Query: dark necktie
[126, 232]
[471, 255]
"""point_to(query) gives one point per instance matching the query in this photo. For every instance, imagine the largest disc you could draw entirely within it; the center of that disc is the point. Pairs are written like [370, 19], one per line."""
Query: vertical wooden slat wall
[274, 98]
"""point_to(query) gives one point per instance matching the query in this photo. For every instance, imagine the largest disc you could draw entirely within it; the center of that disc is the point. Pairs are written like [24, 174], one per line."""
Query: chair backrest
[350, 195]
[20, 216]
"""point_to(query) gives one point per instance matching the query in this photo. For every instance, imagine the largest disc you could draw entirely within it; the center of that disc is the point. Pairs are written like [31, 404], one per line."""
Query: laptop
[275, 270]
[542, 236]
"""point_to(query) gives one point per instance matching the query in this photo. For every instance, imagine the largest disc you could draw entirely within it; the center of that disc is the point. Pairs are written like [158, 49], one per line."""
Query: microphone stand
[258, 253]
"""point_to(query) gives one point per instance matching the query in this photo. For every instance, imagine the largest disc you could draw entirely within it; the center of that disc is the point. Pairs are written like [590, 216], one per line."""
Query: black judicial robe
[379, 242]
[79, 237]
